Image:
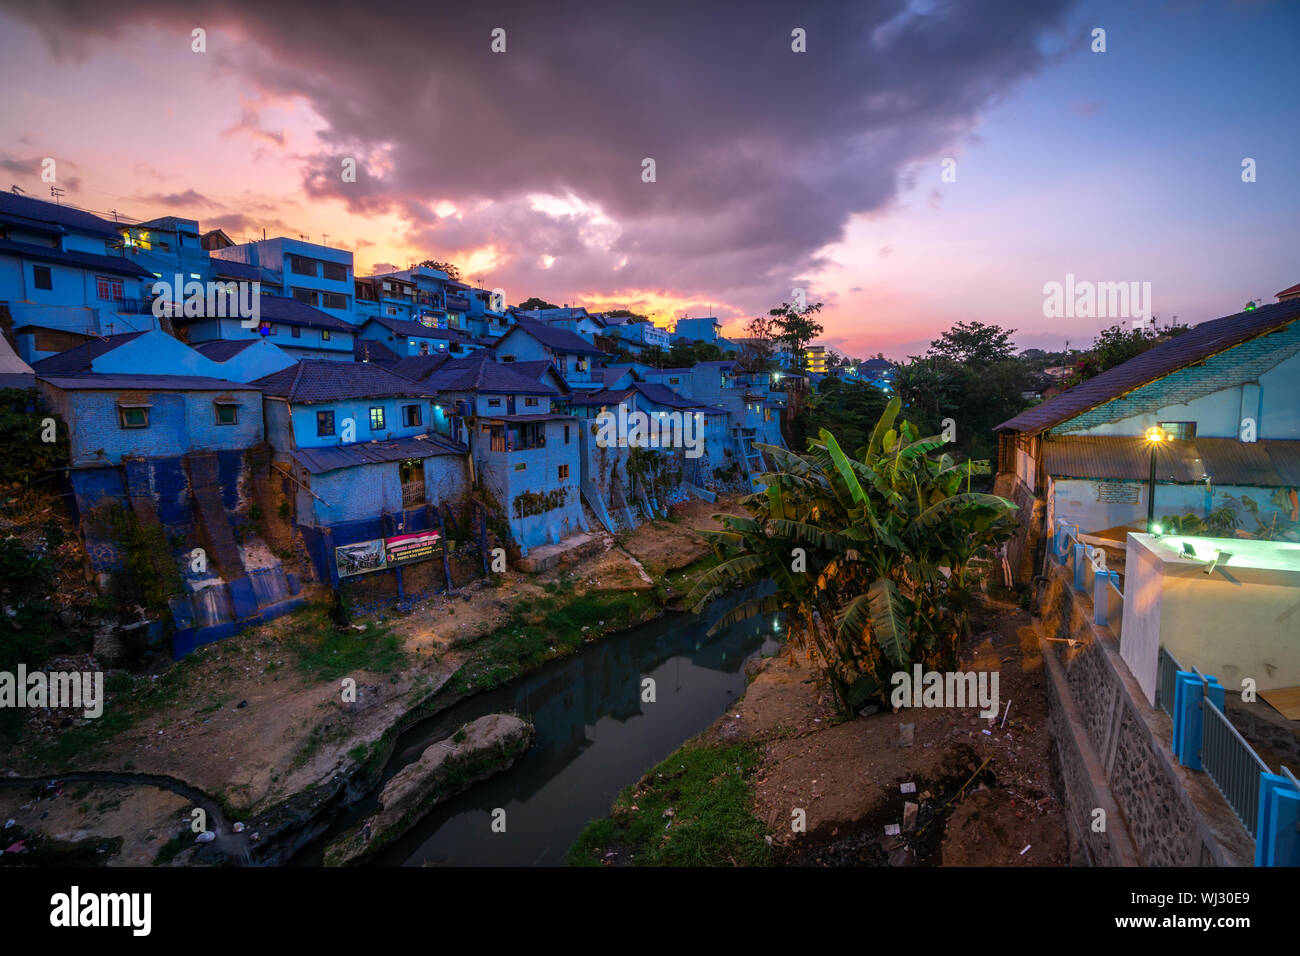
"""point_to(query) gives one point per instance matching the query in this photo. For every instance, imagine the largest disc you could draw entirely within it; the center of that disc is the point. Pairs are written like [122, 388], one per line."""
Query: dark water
[594, 737]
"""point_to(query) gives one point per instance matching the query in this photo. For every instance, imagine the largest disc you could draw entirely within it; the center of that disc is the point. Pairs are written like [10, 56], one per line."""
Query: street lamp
[1155, 435]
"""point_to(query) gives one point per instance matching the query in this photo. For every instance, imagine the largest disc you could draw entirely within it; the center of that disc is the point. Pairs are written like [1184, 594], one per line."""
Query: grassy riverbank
[693, 809]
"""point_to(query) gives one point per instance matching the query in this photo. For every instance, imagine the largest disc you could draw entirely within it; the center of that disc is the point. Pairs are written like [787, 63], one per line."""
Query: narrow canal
[595, 736]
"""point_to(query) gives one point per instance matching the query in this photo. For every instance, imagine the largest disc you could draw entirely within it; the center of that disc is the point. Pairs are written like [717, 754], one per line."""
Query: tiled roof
[1194, 345]
[418, 367]
[288, 311]
[538, 370]
[477, 372]
[323, 380]
[39, 211]
[80, 359]
[85, 260]
[415, 330]
[157, 383]
[318, 460]
[561, 340]
[371, 350]
[223, 350]
[1271, 463]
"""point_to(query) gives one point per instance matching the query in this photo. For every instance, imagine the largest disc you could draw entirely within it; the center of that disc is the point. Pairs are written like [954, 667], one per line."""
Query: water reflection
[595, 735]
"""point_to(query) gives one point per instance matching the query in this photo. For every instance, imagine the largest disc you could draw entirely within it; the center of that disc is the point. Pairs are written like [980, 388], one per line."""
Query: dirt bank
[825, 789]
[261, 723]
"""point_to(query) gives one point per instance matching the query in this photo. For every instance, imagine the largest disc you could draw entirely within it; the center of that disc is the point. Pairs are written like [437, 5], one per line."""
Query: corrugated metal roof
[1194, 345]
[1271, 463]
[319, 460]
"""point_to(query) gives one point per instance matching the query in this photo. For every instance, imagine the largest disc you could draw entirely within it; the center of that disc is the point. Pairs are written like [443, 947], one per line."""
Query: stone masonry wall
[1112, 745]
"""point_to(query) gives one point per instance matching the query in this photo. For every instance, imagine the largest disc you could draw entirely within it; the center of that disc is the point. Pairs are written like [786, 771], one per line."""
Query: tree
[854, 547]
[795, 328]
[1115, 346]
[760, 344]
[534, 302]
[452, 270]
[970, 376]
[25, 455]
[845, 409]
[973, 343]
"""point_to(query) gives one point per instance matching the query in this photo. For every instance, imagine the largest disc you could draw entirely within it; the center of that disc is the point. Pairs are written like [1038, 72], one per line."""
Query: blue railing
[1267, 804]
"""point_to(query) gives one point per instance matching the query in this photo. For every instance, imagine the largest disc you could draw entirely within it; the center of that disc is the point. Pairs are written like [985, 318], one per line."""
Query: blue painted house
[573, 357]
[63, 277]
[369, 455]
[525, 453]
[315, 275]
[302, 331]
[406, 338]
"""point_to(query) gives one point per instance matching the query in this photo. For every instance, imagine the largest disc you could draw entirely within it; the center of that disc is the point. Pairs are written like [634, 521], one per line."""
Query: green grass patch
[326, 651]
[555, 626]
[710, 794]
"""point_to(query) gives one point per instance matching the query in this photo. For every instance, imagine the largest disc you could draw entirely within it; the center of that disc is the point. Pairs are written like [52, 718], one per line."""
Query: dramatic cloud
[762, 154]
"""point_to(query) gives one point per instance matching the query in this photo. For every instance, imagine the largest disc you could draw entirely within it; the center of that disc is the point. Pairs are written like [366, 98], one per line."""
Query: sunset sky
[775, 169]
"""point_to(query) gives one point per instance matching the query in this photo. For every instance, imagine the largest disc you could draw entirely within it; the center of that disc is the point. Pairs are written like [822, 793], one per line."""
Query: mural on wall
[360, 557]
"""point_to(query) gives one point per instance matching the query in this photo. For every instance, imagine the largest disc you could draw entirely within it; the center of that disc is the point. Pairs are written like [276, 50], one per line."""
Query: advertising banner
[405, 548]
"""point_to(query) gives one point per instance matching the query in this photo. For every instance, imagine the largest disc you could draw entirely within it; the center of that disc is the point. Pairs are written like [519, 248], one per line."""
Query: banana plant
[868, 554]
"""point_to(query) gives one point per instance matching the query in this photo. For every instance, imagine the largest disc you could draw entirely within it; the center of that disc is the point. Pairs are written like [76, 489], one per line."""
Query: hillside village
[246, 428]
[273, 416]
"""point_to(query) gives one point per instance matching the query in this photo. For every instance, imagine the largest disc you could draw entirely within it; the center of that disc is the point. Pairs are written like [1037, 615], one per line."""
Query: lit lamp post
[1155, 435]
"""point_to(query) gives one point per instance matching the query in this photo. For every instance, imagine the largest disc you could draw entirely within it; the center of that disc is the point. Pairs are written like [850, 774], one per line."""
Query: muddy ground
[250, 729]
[984, 791]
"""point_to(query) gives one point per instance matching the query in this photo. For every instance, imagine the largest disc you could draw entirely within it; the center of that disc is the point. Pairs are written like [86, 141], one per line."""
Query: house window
[424, 348]
[411, 415]
[1179, 430]
[530, 402]
[507, 358]
[227, 413]
[301, 265]
[521, 466]
[307, 296]
[566, 434]
[674, 381]
[109, 290]
[377, 418]
[324, 424]
[42, 278]
[295, 331]
[133, 416]
[335, 272]
[333, 300]
[494, 403]
[390, 310]
[324, 335]
[564, 473]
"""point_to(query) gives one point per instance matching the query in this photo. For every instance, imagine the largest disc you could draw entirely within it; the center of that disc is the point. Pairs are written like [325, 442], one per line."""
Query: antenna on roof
[16, 191]
[56, 192]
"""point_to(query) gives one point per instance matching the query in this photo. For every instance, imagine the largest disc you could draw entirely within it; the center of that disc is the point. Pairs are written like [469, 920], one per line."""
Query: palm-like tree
[869, 554]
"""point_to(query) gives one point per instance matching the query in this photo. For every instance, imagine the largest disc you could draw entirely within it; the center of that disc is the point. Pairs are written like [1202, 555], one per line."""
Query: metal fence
[1231, 763]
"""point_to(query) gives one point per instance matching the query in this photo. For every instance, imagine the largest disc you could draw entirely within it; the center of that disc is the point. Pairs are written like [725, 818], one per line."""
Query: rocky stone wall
[1113, 750]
